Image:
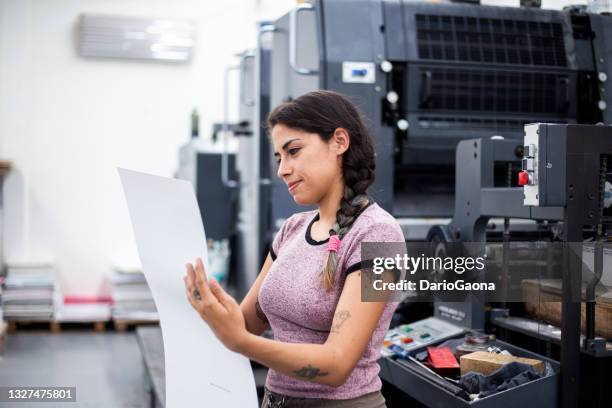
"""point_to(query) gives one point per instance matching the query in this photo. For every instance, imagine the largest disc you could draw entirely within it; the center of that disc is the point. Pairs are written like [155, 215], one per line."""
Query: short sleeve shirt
[300, 310]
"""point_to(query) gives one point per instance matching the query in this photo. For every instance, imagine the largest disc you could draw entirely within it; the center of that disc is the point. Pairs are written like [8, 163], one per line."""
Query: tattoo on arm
[340, 317]
[310, 372]
[260, 313]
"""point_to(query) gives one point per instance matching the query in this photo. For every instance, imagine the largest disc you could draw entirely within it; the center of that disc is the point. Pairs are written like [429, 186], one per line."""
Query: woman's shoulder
[375, 220]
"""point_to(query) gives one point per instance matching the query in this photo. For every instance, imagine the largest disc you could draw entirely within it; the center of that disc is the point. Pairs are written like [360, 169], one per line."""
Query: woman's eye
[293, 151]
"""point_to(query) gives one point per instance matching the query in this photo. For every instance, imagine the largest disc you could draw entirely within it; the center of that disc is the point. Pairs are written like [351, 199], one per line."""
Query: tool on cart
[485, 363]
[442, 359]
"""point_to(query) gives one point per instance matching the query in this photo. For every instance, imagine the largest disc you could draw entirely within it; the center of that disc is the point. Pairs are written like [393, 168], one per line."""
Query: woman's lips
[292, 186]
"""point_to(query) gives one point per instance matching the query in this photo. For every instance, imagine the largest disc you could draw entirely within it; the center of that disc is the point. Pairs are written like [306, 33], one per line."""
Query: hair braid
[354, 201]
[358, 174]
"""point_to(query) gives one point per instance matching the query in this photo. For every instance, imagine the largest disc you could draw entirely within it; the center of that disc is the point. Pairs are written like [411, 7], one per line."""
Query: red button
[407, 340]
[523, 178]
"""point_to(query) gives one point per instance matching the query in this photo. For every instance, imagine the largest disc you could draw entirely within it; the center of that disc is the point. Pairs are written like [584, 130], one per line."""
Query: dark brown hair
[322, 112]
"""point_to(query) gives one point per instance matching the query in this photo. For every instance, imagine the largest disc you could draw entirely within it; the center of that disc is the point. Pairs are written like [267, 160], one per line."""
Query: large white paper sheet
[200, 370]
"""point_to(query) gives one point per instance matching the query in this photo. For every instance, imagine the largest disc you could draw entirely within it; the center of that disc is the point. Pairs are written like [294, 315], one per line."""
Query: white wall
[67, 121]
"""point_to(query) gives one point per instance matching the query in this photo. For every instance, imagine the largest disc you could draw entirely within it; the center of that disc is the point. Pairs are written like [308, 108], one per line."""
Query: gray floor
[105, 368]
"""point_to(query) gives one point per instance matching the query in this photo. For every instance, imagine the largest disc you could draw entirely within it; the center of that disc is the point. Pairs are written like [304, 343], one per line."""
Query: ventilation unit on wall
[136, 38]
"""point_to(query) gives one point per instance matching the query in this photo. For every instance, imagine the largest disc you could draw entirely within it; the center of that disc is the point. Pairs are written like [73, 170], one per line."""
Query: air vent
[504, 92]
[135, 38]
[490, 40]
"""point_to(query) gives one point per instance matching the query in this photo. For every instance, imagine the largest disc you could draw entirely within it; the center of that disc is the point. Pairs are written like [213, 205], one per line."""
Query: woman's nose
[283, 169]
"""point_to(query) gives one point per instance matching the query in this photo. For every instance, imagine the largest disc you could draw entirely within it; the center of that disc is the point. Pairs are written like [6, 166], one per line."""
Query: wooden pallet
[55, 326]
[3, 334]
[58, 326]
[122, 326]
[14, 325]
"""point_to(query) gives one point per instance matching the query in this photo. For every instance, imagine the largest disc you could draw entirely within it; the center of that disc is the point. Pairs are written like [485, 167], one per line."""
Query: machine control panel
[528, 176]
[408, 337]
[543, 166]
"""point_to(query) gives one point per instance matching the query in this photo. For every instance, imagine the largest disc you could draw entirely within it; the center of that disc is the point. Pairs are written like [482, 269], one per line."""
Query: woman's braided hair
[323, 112]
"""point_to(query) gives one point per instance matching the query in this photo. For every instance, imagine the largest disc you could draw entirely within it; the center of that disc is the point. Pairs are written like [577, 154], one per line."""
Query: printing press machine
[426, 75]
[554, 188]
[430, 77]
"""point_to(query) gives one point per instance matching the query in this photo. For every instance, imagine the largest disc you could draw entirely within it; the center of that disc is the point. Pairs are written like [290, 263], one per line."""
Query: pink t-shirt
[300, 310]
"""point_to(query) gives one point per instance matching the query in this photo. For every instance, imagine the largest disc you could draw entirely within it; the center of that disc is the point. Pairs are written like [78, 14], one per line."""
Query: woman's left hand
[218, 309]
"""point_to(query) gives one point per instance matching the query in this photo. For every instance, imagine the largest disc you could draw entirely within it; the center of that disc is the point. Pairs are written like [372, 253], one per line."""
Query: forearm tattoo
[260, 313]
[340, 317]
[310, 372]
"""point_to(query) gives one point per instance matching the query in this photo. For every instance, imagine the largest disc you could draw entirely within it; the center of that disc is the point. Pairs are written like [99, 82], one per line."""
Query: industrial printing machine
[426, 75]
[447, 89]
[560, 181]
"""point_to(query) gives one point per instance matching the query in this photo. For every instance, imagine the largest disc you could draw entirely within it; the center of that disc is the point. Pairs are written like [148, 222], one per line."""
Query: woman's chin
[299, 200]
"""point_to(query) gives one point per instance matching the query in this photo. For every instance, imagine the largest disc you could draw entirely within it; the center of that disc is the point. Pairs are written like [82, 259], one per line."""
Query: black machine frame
[575, 171]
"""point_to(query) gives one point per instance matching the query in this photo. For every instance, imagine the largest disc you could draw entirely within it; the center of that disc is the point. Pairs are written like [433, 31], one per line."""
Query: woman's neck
[329, 205]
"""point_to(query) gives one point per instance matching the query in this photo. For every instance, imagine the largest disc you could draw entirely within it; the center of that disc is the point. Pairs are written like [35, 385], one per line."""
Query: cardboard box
[543, 303]
[485, 363]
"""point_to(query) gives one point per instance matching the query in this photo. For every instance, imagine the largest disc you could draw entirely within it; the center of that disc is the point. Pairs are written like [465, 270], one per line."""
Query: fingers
[200, 273]
[190, 286]
[189, 291]
[198, 291]
[195, 293]
[225, 299]
[201, 281]
[190, 273]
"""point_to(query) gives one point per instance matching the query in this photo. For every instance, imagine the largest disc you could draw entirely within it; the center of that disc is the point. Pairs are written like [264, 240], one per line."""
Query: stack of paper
[132, 299]
[83, 309]
[29, 290]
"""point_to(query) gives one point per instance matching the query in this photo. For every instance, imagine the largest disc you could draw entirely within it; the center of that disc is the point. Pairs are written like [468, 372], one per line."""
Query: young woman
[326, 340]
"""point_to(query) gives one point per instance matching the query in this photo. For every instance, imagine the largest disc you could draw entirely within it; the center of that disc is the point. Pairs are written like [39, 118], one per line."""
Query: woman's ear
[341, 140]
